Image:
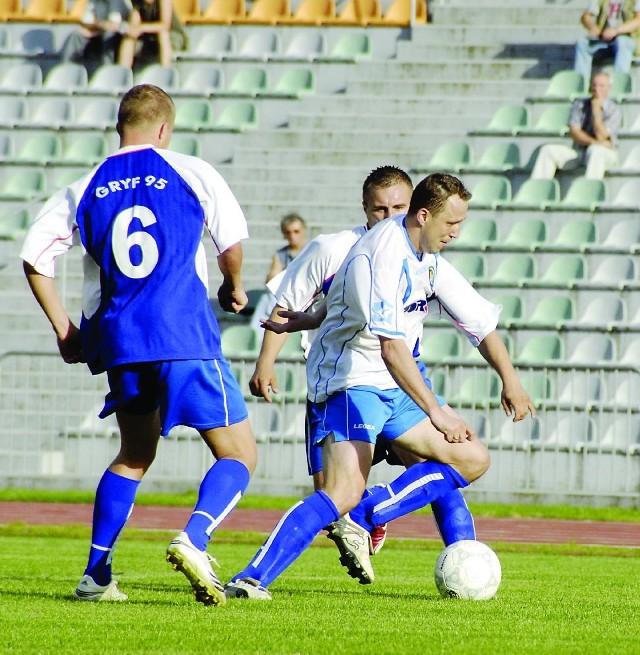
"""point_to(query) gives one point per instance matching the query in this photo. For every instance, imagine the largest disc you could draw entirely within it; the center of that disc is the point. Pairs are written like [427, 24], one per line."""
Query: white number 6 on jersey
[122, 242]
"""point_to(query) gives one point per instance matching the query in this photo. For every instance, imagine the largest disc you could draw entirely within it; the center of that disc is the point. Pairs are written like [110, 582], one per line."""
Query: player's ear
[423, 215]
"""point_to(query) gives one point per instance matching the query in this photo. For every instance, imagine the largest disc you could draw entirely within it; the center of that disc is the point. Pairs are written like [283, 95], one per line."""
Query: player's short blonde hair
[145, 105]
[433, 191]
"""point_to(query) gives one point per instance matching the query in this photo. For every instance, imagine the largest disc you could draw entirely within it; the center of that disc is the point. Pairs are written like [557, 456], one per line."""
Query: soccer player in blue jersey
[363, 382]
[146, 320]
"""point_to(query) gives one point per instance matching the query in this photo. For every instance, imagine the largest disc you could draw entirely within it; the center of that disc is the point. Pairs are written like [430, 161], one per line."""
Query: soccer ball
[469, 570]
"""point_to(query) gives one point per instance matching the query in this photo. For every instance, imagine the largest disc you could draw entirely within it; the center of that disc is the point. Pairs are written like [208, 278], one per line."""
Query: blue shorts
[361, 414]
[202, 394]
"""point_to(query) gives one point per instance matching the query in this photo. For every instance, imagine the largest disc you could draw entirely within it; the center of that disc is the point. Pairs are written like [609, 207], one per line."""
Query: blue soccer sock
[293, 534]
[220, 491]
[453, 518]
[418, 486]
[114, 500]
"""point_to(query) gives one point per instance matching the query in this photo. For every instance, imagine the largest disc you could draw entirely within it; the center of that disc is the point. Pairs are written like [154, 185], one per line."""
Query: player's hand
[263, 382]
[608, 34]
[70, 346]
[454, 429]
[517, 403]
[296, 322]
[232, 300]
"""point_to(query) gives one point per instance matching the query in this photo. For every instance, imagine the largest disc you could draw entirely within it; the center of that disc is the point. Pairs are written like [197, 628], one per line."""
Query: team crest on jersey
[432, 276]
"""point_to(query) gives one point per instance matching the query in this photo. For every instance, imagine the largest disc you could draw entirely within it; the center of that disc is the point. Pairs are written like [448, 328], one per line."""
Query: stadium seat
[65, 78]
[562, 273]
[6, 146]
[52, 112]
[166, 77]
[623, 237]
[565, 85]
[449, 157]
[398, 14]
[621, 84]
[508, 120]
[534, 194]
[622, 436]
[583, 195]
[440, 346]
[41, 11]
[202, 81]
[631, 354]
[312, 12]
[476, 234]
[13, 111]
[247, 82]
[569, 432]
[10, 9]
[258, 45]
[614, 272]
[628, 197]
[39, 149]
[292, 349]
[498, 157]
[349, 48]
[553, 122]
[236, 117]
[35, 42]
[187, 145]
[240, 342]
[355, 12]
[524, 436]
[193, 114]
[512, 309]
[293, 83]
[539, 386]
[601, 312]
[293, 384]
[210, 44]
[626, 393]
[593, 349]
[14, 226]
[187, 10]
[85, 149]
[266, 12]
[67, 176]
[631, 162]
[471, 265]
[75, 12]
[221, 12]
[551, 312]
[512, 271]
[97, 113]
[23, 185]
[302, 47]
[575, 236]
[525, 235]
[21, 78]
[112, 79]
[480, 390]
[490, 192]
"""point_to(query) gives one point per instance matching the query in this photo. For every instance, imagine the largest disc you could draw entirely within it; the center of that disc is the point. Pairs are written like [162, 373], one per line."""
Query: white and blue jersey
[126, 214]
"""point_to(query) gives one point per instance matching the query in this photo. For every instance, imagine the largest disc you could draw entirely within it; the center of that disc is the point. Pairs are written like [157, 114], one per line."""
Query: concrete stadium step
[322, 175]
[514, 13]
[488, 33]
[251, 191]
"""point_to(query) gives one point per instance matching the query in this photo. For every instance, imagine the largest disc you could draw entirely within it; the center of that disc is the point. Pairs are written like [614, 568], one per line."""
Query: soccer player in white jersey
[363, 381]
[302, 287]
[146, 320]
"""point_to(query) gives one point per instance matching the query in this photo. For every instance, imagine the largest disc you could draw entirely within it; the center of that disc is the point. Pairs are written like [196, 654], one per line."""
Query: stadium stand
[339, 100]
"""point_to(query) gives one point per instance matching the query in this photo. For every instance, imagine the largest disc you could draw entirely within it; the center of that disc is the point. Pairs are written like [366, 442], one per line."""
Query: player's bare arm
[264, 379]
[231, 294]
[67, 334]
[403, 369]
[515, 400]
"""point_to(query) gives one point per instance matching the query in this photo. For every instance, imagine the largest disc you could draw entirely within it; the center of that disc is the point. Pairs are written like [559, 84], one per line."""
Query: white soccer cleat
[246, 588]
[196, 566]
[354, 544]
[87, 589]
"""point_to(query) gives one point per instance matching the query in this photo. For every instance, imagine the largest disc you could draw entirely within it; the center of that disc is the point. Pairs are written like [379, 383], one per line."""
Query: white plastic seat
[112, 79]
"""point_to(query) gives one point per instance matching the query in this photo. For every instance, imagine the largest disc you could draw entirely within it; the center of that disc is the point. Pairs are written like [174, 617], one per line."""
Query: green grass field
[552, 600]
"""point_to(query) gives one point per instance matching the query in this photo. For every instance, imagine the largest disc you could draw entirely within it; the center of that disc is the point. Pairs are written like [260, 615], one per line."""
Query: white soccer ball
[469, 570]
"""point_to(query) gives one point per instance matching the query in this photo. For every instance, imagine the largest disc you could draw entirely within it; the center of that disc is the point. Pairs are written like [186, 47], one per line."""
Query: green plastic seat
[508, 120]
[448, 158]
[621, 84]
[576, 235]
[512, 308]
[40, 149]
[248, 82]
[349, 48]
[67, 176]
[237, 117]
[193, 115]
[476, 234]
[553, 121]
[87, 149]
[471, 265]
[534, 194]
[566, 85]
[584, 194]
[490, 192]
[24, 185]
[294, 83]
[551, 312]
[14, 226]
[539, 386]
[562, 273]
[292, 348]
[440, 346]
[240, 342]
[480, 389]
[513, 271]
[524, 235]
[187, 145]
[498, 157]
